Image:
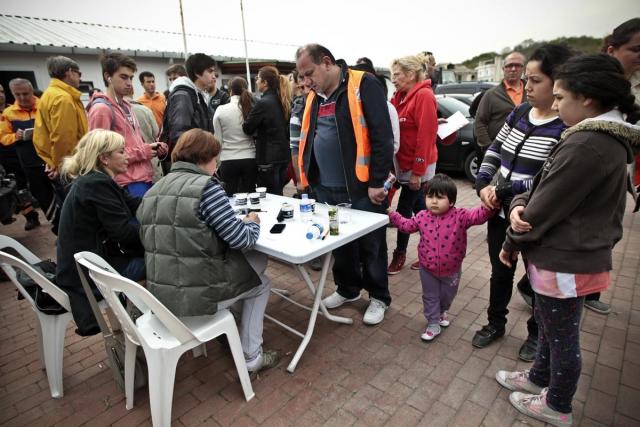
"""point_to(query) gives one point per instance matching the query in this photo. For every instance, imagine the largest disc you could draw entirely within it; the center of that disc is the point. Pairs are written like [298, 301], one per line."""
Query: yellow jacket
[60, 122]
[13, 118]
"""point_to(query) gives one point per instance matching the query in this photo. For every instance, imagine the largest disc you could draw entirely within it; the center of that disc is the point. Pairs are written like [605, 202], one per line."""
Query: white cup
[262, 191]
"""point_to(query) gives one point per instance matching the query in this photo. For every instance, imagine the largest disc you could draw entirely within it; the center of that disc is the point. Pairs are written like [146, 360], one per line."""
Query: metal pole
[246, 52]
[184, 34]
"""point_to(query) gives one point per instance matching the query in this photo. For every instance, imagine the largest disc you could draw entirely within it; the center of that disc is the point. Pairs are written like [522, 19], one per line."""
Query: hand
[441, 121]
[19, 134]
[507, 257]
[163, 148]
[51, 172]
[377, 195]
[414, 182]
[300, 188]
[154, 149]
[517, 223]
[252, 217]
[488, 197]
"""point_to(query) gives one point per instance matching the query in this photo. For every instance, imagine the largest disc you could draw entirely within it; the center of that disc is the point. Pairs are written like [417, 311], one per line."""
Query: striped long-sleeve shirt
[217, 213]
[501, 154]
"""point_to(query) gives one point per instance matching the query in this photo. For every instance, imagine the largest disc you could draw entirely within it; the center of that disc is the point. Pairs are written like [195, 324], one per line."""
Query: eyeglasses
[78, 72]
[513, 65]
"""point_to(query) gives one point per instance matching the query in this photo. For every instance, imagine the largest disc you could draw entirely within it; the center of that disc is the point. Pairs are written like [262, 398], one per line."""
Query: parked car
[459, 154]
[469, 88]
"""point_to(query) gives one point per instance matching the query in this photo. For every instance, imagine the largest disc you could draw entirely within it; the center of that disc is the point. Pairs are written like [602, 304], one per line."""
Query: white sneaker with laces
[375, 312]
[432, 331]
[444, 319]
[335, 300]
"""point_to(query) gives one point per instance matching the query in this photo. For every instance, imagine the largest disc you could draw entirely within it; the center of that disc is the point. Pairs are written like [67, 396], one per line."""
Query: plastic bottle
[391, 179]
[314, 231]
[305, 208]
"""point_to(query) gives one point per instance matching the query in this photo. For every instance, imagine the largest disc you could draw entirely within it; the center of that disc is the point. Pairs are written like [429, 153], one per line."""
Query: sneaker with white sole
[335, 300]
[268, 359]
[375, 312]
[444, 319]
[535, 406]
[432, 331]
[598, 306]
[517, 381]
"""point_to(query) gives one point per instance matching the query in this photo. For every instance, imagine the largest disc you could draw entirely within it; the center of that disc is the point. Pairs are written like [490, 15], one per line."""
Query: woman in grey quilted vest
[197, 251]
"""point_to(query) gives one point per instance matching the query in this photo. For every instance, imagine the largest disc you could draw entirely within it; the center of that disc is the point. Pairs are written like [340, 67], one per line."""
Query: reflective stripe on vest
[360, 130]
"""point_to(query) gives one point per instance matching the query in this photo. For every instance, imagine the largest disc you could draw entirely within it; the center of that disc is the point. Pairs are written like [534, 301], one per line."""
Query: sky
[454, 30]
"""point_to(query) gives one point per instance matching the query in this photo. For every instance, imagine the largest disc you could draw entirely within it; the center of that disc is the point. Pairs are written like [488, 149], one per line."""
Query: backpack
[104, 101]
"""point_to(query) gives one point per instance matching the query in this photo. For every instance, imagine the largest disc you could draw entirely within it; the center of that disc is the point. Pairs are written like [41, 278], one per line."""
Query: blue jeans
[361, 264]
[134, 270]
[138, 188]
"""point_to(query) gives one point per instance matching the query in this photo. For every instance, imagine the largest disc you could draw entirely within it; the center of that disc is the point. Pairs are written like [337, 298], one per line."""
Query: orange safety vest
[360, 130]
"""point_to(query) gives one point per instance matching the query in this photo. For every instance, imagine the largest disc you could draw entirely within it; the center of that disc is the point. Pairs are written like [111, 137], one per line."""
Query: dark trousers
[273, 177]
[558, 362]
[406, 204]
[239, 176]
[501, 282]
[361, 264]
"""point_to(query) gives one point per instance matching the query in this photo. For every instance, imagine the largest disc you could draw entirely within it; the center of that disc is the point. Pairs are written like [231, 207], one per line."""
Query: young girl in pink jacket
[442, 247]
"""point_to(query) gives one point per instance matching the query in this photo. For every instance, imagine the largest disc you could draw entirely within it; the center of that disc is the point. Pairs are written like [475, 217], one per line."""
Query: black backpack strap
[520, 112]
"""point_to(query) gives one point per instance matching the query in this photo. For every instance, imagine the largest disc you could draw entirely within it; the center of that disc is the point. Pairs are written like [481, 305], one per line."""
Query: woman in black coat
[97, 216]
[269, 121]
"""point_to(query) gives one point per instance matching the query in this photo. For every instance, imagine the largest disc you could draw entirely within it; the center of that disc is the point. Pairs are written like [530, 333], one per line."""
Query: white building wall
[89, 66]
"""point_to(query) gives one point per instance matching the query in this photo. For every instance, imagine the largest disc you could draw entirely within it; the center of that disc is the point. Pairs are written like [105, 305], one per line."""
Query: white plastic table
[293, 247]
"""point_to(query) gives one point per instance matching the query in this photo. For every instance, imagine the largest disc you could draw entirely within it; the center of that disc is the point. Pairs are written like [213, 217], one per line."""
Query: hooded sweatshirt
[105, 113]
[417, 113]
[576, 206]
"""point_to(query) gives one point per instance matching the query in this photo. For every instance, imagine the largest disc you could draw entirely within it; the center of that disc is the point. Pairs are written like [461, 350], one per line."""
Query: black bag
[44, 302]
[8, 197]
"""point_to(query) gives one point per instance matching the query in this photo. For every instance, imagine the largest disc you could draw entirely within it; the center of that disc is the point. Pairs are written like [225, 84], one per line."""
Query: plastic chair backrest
[111, 284]
[98, 261]
[9, 263]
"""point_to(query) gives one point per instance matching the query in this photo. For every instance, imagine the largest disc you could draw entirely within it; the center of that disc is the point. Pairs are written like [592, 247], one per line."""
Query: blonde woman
[269, 122]
[417, 155]
[98, 216]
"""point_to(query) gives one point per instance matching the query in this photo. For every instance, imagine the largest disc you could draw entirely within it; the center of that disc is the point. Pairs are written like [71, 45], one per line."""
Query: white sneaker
[375, 312]
[432, 331]
[335, 300]
[444, 319]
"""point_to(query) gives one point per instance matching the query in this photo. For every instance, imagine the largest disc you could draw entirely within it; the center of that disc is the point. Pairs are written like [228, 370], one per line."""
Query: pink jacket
[443, 238]
[101, 116]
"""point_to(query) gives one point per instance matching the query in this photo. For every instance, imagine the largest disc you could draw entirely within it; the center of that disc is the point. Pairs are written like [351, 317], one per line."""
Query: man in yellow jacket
[61, 120]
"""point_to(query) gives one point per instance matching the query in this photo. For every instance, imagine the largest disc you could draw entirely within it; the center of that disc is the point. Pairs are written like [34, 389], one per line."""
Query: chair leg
[43, 365]
[53, 331]
[200, 351]
[130, 351]
[162, 374]
[238, 357]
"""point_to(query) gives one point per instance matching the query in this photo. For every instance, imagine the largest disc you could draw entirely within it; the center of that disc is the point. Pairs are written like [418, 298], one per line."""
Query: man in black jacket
[186, 105]
[329, 164]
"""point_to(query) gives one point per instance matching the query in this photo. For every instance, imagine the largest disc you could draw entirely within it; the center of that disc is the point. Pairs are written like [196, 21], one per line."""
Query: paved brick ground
[349, 375]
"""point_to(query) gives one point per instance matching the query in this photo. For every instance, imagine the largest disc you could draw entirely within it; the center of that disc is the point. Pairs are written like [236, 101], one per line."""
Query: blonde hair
[415, 63]
[285, 96]
[86, 156]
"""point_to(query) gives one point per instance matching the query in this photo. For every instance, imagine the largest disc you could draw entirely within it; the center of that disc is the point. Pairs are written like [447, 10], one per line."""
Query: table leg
[317, 304]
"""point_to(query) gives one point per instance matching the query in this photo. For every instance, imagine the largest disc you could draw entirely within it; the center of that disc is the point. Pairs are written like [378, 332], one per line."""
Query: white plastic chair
[164, 338]
[50, 328]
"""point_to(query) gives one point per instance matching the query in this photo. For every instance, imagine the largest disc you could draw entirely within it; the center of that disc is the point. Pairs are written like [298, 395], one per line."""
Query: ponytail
[239, 86]
[284, 93]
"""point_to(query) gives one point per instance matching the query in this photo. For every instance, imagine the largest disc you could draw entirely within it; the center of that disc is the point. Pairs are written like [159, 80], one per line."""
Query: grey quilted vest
[189, 268]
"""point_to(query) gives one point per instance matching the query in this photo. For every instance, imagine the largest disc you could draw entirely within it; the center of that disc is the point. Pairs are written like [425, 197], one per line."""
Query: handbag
[45, 303]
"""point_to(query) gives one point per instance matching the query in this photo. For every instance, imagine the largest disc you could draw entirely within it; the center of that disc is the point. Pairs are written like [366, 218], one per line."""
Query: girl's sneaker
[444, 319]
[432, 331]
[535, 406]
[517, 381]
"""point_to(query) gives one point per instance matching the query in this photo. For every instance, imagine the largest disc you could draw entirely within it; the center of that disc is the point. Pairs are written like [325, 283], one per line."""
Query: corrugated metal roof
[32, 31]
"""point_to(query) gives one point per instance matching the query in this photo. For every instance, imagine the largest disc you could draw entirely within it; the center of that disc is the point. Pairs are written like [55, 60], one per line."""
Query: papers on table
[455, 122]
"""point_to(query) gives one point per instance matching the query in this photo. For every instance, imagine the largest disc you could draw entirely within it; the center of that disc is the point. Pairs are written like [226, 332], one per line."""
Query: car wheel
[471, 166]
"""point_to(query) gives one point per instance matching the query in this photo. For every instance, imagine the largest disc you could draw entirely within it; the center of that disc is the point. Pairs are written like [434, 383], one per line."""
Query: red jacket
[418, 128]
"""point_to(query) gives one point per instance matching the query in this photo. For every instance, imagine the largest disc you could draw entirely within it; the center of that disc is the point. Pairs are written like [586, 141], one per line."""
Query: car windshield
[451, 105]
